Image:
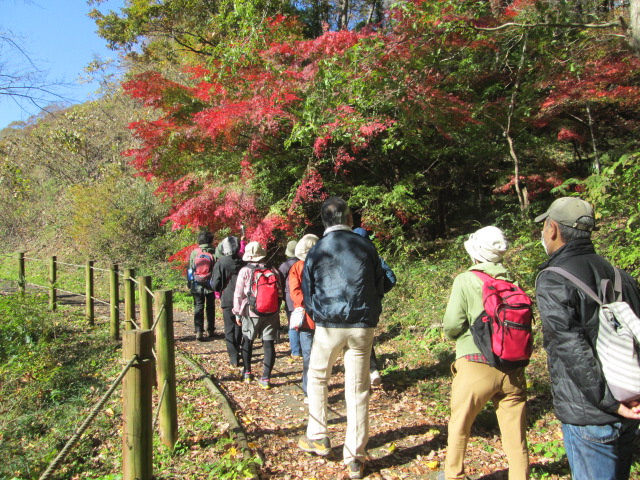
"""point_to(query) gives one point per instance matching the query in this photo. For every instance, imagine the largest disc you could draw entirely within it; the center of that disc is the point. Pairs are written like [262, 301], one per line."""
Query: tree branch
[552, 25]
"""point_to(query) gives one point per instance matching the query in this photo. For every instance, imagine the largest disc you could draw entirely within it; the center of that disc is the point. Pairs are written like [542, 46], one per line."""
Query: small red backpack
[264, 291]
[502, 331]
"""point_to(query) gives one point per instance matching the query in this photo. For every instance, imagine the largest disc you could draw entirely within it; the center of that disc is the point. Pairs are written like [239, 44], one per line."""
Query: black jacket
[570, 327]
[225, 275]
[343, 281]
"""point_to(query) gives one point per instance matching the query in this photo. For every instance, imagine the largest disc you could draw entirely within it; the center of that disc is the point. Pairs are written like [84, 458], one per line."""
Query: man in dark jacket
[598, 430]
[225, 275]
[342, 285]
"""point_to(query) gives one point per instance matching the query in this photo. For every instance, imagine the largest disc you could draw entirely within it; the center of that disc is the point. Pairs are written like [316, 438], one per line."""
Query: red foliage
[568, 135]
[180, 259]
[536, 185]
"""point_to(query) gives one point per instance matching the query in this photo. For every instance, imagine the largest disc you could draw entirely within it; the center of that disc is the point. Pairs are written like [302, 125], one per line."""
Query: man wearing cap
[598, 430]
[475, 382]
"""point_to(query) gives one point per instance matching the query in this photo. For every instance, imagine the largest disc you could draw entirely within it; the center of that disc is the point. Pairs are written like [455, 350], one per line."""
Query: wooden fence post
[114, 303]
[166, 367]
[53, 277]
[22, 277]
[137, 386]
[146, 302]
[129, 299]
[89, 311]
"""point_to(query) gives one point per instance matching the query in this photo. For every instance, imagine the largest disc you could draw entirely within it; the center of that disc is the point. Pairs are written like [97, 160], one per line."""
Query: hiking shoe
[264, 383]
[320, 447]
[376, 379]
[356, 469]
[247, 378]
[200, 337]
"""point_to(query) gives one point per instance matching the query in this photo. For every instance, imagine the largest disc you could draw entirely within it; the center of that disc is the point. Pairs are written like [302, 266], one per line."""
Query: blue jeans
[599, 452]
[294, 342]
[306, 341]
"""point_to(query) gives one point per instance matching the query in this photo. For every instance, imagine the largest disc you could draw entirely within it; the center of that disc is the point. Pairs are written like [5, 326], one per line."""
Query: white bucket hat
[487, 245]
[305, 244]
[253, 252]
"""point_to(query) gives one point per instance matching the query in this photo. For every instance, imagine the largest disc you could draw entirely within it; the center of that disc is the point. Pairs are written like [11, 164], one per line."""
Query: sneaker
[247, 378]
[376, 379]
[319, 447]
[264, 383]
[356, 469]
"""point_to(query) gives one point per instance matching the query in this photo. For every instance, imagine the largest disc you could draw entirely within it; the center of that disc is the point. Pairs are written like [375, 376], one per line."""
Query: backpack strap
[576, 281]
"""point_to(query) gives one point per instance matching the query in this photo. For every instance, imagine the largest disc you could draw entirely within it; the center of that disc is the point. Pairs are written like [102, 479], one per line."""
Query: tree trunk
[634, 26]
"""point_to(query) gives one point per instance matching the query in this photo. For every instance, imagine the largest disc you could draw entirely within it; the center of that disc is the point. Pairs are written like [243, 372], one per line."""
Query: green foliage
[115, 218]
[615, 193]
[50, 371]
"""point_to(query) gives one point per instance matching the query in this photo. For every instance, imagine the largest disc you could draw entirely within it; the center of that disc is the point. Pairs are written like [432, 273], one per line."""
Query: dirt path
[404, 442]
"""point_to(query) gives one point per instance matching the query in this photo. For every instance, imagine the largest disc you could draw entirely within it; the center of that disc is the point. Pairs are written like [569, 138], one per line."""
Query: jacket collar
[583, 246]
[336, 228]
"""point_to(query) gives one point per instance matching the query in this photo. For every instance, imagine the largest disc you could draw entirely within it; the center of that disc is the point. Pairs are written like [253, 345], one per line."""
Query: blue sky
[59, 39]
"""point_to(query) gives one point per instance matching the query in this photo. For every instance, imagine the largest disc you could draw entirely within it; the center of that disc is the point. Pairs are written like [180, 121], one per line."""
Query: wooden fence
[148, 354]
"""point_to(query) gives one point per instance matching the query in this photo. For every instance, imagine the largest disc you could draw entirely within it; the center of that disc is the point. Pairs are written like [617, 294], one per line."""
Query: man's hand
[630, 410]
[239, 320]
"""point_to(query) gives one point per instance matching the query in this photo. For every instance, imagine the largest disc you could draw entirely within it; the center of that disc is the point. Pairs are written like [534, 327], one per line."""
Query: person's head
[567, 219]
[291, 249]
[304, 245]
[487, 245]
[254, 252]
[335, 211]
[204, 237]
[230, 246]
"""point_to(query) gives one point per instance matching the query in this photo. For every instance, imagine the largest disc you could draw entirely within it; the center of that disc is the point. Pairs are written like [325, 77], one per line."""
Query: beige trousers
[328, 345]
[474, 384]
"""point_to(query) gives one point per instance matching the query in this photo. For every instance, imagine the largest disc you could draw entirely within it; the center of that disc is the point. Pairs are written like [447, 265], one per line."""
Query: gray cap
[567, 211]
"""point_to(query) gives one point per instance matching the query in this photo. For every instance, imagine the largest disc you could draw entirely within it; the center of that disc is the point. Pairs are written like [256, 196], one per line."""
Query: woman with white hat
[254, 323]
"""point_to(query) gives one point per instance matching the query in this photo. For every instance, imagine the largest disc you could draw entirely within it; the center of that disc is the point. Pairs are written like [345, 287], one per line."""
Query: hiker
[253, 322]
[307, 328]
[201, 264]
[475, 382]
[389, 283]
[284, 268]
[225, 276]
[598, 430]
[342, 284]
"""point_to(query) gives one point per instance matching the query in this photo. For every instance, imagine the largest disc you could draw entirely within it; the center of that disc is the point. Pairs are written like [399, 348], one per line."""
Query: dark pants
[269, 356]
[232, 335]
[202, 302]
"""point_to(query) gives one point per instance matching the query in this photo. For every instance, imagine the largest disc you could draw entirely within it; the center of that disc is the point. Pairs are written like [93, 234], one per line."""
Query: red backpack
[202, 266]
[502, 331]
[264, 290]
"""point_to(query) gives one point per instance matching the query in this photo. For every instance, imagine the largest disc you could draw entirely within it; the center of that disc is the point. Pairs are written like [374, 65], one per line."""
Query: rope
[70, 264]
[102, 269]
[149, 291]
[100, 301]
[36, 285]
[164, 389]
[34, 259]
[134, 280]
[78, 433]
[155, 322]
